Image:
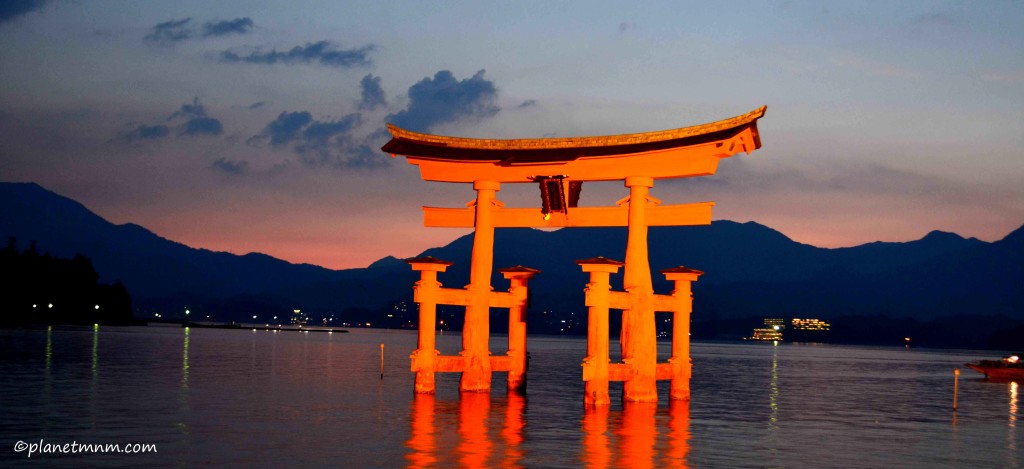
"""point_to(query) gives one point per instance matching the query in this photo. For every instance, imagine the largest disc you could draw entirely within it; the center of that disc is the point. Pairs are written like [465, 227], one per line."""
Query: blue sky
[255, 126]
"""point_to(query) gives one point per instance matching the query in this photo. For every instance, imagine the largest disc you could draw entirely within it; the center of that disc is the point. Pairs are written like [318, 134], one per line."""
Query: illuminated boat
[1010, 367]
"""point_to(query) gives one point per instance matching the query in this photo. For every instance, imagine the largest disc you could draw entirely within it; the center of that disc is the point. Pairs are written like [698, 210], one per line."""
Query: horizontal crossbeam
[457, 363]
[624, 372]
[657, 215]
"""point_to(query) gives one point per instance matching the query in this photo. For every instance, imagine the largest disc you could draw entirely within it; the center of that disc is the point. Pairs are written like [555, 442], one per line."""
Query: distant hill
[752, 270]
[150, 267]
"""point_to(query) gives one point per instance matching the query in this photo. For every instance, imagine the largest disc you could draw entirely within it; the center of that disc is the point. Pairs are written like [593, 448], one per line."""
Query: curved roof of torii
[552, 150]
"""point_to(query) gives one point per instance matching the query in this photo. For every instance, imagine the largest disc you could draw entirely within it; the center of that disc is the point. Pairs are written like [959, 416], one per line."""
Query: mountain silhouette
[751, 270]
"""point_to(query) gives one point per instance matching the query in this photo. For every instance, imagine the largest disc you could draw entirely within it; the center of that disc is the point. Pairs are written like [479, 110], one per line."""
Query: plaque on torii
[560, 166]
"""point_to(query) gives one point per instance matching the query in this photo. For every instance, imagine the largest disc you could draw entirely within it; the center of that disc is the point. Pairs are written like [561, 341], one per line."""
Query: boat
[1009, 367]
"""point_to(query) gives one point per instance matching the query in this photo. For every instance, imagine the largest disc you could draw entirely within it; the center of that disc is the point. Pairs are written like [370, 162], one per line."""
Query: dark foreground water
[244, 398]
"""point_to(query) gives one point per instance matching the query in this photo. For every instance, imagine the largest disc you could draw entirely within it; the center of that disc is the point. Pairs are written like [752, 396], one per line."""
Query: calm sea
[246, 398]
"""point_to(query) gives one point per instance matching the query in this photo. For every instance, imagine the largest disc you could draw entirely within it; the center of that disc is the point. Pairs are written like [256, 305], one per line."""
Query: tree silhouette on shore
[42, 289]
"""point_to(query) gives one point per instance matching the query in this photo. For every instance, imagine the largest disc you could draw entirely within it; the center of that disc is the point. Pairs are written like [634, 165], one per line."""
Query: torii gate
[560, 166]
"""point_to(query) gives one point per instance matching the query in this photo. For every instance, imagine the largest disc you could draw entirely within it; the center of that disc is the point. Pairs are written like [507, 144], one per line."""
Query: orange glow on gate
[560, 166]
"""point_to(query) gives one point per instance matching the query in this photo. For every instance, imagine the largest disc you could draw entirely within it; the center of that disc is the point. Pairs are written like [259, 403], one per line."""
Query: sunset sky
[255, 126]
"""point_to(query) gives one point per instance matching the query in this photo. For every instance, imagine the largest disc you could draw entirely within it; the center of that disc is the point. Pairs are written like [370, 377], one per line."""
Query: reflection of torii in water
[560, 166]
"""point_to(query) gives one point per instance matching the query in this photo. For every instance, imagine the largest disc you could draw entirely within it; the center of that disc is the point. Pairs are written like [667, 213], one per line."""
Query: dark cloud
[372, 93]
[198, 122]
[11, 9]
[325, 143]
[527, 103]
[147, 132]
[367, 157]
[223, 28]
[444, 99]
[202, 126]
[192, 119]
[323, 53]
[169, 32]
[257, 105]
[195, 109]
[229, 166]
[321, 132]
[287, 127]
[328, 143]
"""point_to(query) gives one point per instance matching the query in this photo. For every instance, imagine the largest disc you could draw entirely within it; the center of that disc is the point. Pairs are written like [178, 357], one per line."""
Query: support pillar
[425, 293]
[639, 336]
[683, 298]
[595, 365]
[518, 277]
[476, 331]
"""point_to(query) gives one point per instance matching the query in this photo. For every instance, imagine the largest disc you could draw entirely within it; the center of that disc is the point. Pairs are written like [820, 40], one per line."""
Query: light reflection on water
[241, 398]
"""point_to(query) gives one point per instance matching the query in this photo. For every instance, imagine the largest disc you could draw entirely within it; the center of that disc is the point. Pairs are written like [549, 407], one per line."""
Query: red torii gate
[560, 166]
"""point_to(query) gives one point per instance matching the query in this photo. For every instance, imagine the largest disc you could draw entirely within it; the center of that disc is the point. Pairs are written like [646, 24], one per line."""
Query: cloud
[323, 52]
[198, 122]
[327, 143]
[372, 93]
[195, 109]
[202, 126]
[367, 157]
[257, 105]
[286, 127]
[318, 133]
[324, 143]
[444, 99]
[11, 9]
[147, 132]
[626, 26]
[229, 166]
[170, 32]
[193, 121]
[223, 28]
[527, 103]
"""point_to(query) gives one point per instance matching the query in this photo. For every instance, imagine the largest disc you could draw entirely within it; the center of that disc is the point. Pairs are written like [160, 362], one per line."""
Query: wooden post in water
[956, 382]
[682, 297]
[518, 276]
[425, 293]
[598, 298]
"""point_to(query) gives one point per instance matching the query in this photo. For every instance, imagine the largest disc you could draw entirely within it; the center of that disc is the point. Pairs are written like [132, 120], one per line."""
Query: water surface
[244, 398]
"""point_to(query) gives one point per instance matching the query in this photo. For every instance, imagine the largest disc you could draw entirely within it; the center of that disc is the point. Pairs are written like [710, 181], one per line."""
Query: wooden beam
[449, 364]
[657, 215]
[698, 160]
[666, 304]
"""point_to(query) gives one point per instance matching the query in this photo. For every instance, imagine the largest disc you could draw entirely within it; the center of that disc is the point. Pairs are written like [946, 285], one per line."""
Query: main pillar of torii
[560, 166]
